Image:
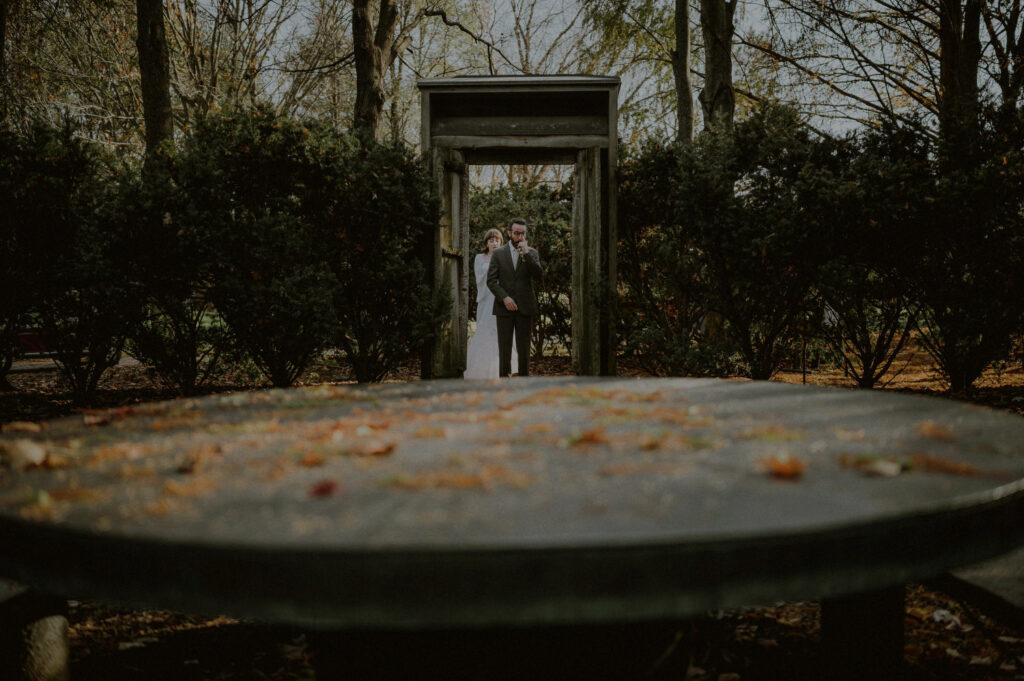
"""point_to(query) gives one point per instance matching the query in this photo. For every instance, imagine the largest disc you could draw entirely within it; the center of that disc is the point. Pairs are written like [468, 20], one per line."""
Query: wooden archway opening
[526, 120]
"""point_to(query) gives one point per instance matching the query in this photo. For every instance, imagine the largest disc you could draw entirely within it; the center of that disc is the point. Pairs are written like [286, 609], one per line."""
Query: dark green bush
[870, 313]
[250, 181]
[176, 330]
[28, 188]
[968, 271]
[62, 208]
[548, 214]
[662, 307]
[748, 204]
[377, 207]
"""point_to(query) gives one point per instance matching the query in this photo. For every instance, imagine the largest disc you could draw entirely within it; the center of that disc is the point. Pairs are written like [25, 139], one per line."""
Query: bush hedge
[62, 264]
[272, 238]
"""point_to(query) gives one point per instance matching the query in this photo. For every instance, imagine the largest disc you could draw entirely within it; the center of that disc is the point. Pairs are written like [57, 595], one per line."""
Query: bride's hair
[487, 237]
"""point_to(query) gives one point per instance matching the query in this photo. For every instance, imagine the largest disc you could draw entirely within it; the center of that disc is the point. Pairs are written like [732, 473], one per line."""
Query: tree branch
[491, 47]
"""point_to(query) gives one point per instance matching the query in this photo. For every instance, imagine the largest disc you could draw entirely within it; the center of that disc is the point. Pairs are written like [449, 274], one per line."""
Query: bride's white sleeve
[480, 266]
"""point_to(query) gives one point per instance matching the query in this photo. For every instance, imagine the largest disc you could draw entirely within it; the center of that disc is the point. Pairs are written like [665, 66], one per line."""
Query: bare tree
[656, 39]
[154, 71]
[681, 71]
[717, 99]
[76, 59]
[226, 52]
[1004, 26]
[898, 59]
[377, 40]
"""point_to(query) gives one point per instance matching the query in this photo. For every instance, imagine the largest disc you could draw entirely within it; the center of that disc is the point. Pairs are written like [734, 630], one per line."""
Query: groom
[510, 277]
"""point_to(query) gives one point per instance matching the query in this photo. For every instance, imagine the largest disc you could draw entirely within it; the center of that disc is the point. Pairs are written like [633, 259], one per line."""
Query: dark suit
[506, 280]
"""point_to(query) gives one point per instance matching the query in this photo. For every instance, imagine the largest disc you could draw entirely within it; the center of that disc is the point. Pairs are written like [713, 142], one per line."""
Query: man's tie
[515, 257]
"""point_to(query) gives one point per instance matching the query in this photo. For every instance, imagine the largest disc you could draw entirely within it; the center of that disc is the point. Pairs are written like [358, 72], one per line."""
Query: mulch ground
[947, 637]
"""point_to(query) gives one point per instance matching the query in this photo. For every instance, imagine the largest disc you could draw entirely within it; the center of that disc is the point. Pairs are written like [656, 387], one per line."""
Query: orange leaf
[311, 460]
[374, 448]
[936, 464]
[591, 436]
[784, 466]
[325, 488]
[935, 431]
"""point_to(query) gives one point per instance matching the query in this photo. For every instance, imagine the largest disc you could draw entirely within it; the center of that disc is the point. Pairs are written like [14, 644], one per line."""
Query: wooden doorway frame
[491, 120]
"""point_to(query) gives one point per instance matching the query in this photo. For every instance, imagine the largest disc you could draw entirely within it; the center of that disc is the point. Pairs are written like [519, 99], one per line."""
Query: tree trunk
[155, 72]
[681, 70]
[373, 54]
[959, 58]
[717, 101]
[6, 10]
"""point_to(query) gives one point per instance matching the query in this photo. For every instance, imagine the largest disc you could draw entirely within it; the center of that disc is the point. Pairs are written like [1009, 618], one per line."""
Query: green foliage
[870, 313]
[250, 181]
[662, 307]
[548, 215]
[379, 213]
[749, 205]
[57, 191]
[27, 190]
[176, 330]
[970, 266]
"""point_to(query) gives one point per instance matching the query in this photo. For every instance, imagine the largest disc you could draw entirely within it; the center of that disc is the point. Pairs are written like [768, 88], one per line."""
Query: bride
[482, 355]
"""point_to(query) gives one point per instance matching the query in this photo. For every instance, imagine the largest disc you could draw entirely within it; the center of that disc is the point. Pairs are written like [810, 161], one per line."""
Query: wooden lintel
[521, 142]
[520, 125]
[514, 156]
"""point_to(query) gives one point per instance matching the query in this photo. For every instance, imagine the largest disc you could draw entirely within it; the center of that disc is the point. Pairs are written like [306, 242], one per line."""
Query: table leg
[862, 636]
[620, 652]
[33, 635]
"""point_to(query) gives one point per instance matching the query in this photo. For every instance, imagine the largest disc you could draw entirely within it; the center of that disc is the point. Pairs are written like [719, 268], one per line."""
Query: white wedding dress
[482, 355]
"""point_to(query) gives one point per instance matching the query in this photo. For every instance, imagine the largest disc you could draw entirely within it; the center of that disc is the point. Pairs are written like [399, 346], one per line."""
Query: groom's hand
[510, 304]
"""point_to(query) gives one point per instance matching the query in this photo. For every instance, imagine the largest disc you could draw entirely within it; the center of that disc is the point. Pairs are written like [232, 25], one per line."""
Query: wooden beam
[509, 156]
[520, 125]
[517, 142]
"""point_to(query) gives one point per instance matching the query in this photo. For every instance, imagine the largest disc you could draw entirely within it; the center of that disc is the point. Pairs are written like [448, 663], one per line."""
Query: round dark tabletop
[454, 503]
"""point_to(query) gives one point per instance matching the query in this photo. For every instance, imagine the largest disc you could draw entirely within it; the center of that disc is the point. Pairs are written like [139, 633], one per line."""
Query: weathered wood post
[451, 262]
[586, 264]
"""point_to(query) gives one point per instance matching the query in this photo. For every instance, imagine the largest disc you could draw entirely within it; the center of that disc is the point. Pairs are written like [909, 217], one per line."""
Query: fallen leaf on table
[77, 494]
[935, 431]
[311, 460]
[324, 489]
[872, 465]
[784, 466]
[937, 464]
[24, 454]
[374, 448]
[195, 459]
[22, 427]
[431, 431]
[591, 436]
[192, 488]
[649, 442]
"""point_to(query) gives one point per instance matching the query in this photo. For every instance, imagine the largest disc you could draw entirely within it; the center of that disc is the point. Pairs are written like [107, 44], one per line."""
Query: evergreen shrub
[59, 189]
[377, 214]
[662, 302]
[248, 182]
[749, 205]
[176, 330]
